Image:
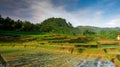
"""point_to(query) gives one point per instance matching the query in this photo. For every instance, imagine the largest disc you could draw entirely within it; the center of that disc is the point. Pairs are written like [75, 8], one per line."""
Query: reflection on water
[96, 63]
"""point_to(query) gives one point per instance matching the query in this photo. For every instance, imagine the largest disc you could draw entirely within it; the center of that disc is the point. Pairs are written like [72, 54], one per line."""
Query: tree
[88, 32]
[1, 22]
[27, 26]
[69, 24]
[17, 25]
[8, 23]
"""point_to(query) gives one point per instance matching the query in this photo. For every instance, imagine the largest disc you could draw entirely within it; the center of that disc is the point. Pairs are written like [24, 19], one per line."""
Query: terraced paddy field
[38, 50]
[30, 56]
[41, 57]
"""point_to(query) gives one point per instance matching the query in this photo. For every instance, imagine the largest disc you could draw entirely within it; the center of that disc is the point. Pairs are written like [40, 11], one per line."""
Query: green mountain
[57, 25]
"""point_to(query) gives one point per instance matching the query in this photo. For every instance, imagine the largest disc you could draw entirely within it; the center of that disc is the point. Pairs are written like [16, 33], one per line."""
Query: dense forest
[58, 26]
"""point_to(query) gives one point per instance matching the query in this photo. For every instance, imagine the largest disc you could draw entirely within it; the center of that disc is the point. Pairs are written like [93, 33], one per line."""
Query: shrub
[81, 40]
[81, 50]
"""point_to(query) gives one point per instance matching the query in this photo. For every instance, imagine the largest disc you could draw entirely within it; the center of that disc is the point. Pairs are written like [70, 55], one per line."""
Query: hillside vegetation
[57, 26]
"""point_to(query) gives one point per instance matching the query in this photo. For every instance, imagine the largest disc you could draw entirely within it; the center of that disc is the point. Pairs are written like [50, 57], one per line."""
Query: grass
[8, 50]
[110, 46]
[44, 57]
[36, 47]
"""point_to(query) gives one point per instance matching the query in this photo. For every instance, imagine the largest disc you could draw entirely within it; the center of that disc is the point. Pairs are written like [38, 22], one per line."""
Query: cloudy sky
[101, 13]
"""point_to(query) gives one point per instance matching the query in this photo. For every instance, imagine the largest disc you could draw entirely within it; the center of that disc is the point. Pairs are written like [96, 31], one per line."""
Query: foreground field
[50, 50]
[19, 56]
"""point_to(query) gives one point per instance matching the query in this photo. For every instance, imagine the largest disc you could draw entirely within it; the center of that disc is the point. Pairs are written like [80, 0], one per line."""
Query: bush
[58, 41]
[81, 40]
[81, 50]
[86, 46]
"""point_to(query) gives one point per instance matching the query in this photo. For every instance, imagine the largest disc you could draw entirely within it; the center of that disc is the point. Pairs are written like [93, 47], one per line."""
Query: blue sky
[101, 13]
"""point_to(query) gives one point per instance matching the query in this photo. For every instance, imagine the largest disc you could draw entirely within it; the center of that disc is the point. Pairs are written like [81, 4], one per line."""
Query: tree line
[8, 24]
[57, 25]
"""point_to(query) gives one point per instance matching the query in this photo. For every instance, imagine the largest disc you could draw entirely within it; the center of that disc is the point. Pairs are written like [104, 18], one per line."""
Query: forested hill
[54, 25]
[57, 25]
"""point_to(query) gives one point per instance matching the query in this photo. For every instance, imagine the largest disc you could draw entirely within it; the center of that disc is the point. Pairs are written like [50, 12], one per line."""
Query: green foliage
[88, 33]
[57, 25]
[109, 34]
[51, 25]
[80, 50]
[27, 26]
[7, 24]
[81, 40]
[86, 45]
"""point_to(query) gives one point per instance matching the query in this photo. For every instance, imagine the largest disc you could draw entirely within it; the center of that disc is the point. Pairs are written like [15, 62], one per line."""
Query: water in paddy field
[96, 63]
[91, 63]
[39, 60]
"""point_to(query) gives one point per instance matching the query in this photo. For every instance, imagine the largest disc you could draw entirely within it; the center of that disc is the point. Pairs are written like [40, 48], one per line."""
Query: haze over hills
[98, 29]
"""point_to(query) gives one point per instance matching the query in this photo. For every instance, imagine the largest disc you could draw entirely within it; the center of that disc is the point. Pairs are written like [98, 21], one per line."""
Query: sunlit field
[23, 49]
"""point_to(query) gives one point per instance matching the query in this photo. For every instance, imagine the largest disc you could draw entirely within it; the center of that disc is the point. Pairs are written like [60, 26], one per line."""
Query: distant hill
[91, 28]
[107, 33]
[97, 29]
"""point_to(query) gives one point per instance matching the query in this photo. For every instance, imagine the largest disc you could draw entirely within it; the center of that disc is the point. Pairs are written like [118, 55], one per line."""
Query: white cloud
[38, 10]
[114, 22]
[42, 10]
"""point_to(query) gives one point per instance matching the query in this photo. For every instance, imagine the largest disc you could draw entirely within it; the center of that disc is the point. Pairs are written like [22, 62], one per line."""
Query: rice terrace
[31, 48]
[59, 33]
